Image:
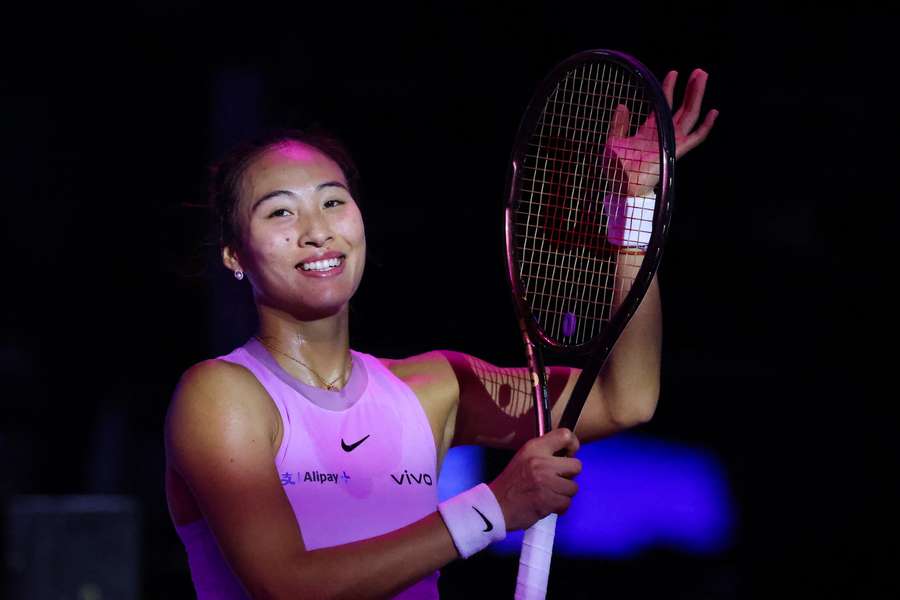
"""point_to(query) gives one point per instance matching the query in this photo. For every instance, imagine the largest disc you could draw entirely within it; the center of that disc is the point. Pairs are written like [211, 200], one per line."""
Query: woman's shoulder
[217, 375]
[216, 389]
[428, 372]
[220, 430]
[432, 363]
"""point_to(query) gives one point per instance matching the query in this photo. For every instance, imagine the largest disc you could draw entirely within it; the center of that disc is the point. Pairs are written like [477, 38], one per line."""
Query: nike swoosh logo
[352, 446]
[488, 525]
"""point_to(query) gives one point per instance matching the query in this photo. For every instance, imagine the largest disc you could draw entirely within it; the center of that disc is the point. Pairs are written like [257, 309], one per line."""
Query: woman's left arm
[494, 403]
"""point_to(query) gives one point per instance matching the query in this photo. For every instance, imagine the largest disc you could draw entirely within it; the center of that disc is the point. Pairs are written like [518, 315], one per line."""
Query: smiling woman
[296, 216]
[299, 468]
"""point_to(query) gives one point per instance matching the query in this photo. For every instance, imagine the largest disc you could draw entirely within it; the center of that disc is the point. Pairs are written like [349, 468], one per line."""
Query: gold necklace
[327, 385]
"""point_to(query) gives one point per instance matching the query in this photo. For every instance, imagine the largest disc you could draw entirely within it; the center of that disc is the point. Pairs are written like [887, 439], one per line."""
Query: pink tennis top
[355, 464]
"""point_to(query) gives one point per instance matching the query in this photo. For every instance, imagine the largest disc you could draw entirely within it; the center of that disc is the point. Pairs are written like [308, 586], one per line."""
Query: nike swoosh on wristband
[490, 525]
[352, 446]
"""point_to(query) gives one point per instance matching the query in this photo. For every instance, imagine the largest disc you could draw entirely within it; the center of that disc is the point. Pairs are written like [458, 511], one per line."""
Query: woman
[350, 508]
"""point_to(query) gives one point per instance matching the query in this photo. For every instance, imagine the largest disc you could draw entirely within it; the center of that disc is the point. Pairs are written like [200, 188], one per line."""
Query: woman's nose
[316, 232]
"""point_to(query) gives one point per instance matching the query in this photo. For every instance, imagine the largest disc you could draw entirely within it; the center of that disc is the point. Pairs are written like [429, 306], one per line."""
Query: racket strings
[650, 170]
[579, 147]
[568, 269]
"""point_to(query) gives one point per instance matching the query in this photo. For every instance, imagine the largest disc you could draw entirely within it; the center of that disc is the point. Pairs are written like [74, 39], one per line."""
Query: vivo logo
[410, 479]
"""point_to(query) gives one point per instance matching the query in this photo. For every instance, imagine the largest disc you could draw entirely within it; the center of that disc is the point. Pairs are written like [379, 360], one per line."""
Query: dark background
[778, 329]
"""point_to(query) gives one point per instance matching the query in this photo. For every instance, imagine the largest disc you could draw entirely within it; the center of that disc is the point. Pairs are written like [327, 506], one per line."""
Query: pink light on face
[297, 151]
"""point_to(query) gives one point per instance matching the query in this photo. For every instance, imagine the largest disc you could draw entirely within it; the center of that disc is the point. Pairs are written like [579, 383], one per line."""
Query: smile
[322, 265]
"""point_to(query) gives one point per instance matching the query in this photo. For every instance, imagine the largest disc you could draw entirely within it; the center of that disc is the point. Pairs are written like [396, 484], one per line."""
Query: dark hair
[226, 175]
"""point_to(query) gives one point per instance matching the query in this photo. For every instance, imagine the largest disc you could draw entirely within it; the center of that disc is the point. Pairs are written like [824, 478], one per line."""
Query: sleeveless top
[354, 464]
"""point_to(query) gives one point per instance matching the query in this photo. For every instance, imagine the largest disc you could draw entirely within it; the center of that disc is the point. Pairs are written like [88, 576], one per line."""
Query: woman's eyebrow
[275, 193]
[269, 196]
[331, 184]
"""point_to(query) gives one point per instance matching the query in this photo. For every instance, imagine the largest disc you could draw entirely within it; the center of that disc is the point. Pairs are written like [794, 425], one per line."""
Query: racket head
[559, 260]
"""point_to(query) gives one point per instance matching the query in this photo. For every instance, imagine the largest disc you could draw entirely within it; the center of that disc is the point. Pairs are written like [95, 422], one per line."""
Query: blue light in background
[634, 493]
[463, 468]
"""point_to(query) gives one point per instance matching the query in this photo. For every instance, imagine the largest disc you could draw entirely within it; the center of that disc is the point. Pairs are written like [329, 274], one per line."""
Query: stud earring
[238, 274]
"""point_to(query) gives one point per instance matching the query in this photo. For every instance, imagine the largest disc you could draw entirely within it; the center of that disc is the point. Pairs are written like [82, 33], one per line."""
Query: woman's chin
[322, 308]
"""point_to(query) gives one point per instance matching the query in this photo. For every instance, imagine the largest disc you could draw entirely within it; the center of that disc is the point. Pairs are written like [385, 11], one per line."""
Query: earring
[238, 274]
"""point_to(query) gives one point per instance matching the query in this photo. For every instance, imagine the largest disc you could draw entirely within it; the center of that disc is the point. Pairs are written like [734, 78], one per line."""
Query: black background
[778, 327]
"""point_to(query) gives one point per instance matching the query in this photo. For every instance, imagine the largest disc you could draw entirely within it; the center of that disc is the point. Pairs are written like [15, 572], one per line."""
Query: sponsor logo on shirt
[314, 477]
[407, 478]
[351, 447]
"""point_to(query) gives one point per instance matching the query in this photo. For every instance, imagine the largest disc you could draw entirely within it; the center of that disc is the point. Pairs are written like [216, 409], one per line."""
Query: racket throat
[539, 387]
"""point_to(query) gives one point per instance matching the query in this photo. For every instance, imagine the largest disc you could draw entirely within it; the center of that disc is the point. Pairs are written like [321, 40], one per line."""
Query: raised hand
[637, 155]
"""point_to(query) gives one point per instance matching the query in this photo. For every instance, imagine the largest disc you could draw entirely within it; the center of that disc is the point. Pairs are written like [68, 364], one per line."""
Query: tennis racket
[583, 237]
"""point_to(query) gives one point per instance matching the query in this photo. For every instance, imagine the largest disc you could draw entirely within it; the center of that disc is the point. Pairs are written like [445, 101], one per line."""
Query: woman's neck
[319, 347]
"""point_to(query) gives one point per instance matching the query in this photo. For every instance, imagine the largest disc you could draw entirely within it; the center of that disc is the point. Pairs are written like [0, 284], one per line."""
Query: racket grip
[534, 563]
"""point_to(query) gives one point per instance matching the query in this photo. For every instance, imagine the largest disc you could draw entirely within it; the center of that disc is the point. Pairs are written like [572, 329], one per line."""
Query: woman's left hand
[638, 155]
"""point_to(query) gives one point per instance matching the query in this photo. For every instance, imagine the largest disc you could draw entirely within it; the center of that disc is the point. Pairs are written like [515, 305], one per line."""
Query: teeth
[321, 265]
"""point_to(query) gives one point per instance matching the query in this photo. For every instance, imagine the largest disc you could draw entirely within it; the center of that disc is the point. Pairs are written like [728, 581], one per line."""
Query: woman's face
[303, 243]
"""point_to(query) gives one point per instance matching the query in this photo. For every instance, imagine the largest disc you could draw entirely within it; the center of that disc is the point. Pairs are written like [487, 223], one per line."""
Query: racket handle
[534, 563]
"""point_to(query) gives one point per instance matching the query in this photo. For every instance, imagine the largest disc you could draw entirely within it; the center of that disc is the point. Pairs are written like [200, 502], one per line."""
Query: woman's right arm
[219, 438]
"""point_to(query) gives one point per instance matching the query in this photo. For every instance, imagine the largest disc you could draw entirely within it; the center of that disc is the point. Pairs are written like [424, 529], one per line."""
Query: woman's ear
[230, 260]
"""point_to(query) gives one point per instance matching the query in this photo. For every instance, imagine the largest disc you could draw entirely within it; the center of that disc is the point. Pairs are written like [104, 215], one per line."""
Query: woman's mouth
[322, 267]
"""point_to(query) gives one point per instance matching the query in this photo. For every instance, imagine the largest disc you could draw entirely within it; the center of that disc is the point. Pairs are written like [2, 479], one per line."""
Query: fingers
[689, 142]
[546, 468]
[554, 484]
[566, 488]
[687, 114]
[557, 440]
[618, 127]
[538, 480]
[558, 493]
[567, 467]
[668, 86]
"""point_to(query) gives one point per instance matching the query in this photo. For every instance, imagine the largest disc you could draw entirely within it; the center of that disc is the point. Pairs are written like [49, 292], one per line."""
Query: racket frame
[600, 346]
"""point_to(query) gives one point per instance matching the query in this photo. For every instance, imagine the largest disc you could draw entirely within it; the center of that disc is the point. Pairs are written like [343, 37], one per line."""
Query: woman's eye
[281, 212]
[333, 202]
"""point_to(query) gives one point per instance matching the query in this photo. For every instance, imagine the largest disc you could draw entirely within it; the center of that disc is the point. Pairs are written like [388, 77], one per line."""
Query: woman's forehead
[293, 150]
[293, 161]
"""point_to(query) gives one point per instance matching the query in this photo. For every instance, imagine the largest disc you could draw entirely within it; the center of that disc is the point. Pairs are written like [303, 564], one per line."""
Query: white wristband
[629, 221]
[474, 519]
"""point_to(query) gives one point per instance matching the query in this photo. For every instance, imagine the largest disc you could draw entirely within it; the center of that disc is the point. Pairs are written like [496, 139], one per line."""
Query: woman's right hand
[536, 482]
